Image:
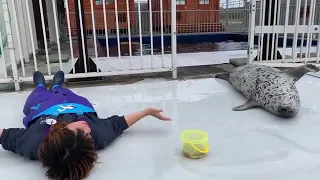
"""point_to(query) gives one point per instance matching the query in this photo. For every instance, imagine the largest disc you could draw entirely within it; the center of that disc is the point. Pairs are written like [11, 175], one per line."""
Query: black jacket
[26, 141]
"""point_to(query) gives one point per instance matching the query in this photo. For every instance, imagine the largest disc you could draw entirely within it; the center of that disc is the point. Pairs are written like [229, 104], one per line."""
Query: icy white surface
[248, 145]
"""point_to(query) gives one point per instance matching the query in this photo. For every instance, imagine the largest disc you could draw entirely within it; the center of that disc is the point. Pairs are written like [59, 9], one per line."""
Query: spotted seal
[268, 87]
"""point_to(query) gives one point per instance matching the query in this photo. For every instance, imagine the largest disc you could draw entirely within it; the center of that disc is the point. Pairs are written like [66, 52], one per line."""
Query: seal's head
[287, 110]
[288, 97]
[287, 102]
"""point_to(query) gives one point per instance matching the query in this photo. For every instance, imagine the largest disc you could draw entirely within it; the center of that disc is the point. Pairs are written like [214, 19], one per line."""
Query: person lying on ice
[63, 130]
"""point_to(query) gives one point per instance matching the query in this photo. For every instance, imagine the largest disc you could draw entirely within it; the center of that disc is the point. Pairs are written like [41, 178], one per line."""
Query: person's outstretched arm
[112, 127]
[135, 117]
[22, 141]
[9, 138]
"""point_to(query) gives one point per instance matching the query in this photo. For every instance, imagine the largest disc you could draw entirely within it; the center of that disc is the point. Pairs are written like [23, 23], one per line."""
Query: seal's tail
[312, 68]
[224, 76]
[298, 72]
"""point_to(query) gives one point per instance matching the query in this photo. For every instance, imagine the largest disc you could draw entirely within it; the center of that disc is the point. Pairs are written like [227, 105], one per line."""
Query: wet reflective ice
[247, 145]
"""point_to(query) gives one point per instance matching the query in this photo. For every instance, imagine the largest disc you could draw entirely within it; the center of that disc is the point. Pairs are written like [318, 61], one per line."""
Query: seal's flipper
[224, 76]
[248, 105]
[297, 72]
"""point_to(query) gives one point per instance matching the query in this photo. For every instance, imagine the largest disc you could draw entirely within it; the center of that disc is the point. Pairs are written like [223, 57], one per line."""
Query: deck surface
[248, 145]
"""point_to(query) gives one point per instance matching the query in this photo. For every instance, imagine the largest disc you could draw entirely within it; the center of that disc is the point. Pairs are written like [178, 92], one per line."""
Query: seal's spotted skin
[269, 87]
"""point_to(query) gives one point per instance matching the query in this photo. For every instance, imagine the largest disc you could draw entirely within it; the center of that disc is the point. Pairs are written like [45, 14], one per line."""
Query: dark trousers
[40, 94]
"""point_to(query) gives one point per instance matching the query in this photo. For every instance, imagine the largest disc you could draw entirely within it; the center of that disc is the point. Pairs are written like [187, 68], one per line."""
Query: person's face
[82, 125]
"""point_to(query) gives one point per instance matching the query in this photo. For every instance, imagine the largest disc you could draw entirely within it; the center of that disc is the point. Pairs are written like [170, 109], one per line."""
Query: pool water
[181, 48]
[201, 47]
[186, 43]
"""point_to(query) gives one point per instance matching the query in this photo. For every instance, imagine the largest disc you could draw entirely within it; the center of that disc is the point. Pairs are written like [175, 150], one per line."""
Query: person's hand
[157, 113]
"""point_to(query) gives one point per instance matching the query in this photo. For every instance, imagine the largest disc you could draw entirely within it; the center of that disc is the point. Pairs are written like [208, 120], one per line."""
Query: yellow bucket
[195, 143]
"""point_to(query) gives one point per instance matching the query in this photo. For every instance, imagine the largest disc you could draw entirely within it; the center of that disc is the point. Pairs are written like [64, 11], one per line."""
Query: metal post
[174, 39]
[79, 67]
[199, 16]
[252, 20]
[10, 47]
[227, 13]
[273, 15]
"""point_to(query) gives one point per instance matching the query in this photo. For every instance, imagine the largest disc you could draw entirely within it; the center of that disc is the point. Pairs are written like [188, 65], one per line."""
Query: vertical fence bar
[303, 23]
[295, 39]
[31, 37]
[285, 30]
[260, 34]
[44, 37]
[57, 32]
[15, 19]
[140, 31]
[25, 38]
[82, 38]
[174, 39]
[162, 39]
[278, 24]
[106, 28]
[117, 25]
[94, 32]
[70, 38]
[2, 57]
[151, 31]
[252, 23]
[309, 35]
[312, 22]
[262, 10]
[318, 48]
[227, 13]
[129, 32]
[260, 24]
[10, 46]
[273, 29]
[198, 17]
[268, 34]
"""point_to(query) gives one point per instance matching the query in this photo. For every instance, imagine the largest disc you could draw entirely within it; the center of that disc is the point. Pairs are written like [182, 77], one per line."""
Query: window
[181, 2]
[204, 1]
[100, 2]
[179, 16]
[122, 17]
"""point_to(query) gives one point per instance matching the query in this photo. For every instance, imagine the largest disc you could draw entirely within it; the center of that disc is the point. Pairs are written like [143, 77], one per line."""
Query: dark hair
[68, 155]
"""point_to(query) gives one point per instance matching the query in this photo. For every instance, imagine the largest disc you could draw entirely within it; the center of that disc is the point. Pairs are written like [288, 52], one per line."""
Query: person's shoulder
[97, 130]
[31, 139]
[105, 131]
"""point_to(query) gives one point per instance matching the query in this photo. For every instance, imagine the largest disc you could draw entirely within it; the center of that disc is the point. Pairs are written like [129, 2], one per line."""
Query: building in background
[99, 17]
[192, 15]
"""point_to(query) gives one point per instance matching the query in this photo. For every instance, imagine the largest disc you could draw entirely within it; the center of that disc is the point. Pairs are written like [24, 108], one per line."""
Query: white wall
[3, 59]
[22, 29]
[51, 26]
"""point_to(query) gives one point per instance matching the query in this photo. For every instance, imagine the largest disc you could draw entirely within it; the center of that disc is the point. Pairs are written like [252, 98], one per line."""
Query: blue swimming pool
[189, 43]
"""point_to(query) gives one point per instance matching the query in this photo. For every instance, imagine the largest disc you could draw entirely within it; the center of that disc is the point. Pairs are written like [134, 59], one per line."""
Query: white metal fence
[3, 33]
[7, 52]
[32, 26]
[295, 22]
[19, 16]
[116, 35]
[3, 43]
[188, 22]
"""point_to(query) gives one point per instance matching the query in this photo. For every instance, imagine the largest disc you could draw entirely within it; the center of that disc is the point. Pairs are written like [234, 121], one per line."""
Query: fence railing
[45, 38]
[285, 35]
[36, 27]
[292, 10]
[188, 22]
[32, 25]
